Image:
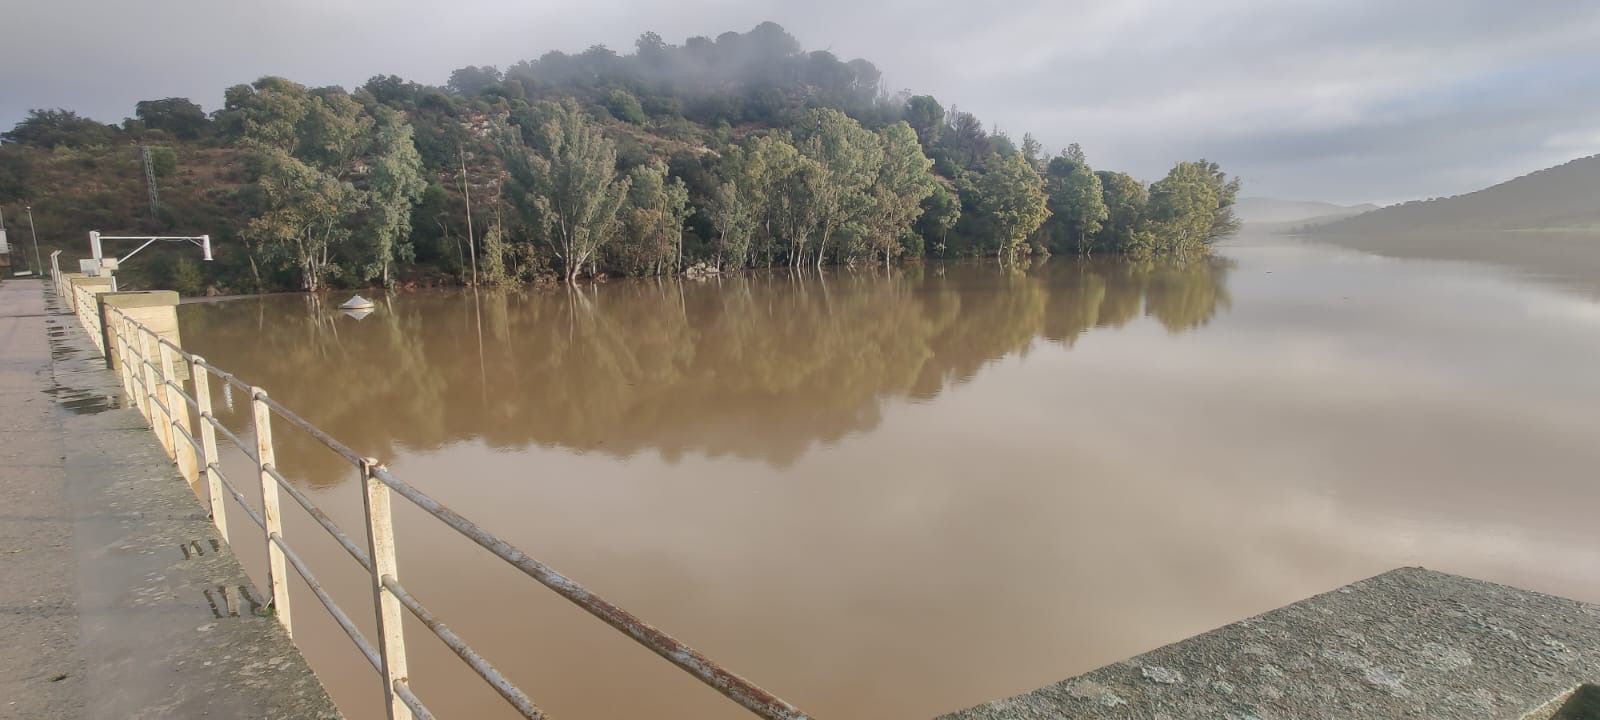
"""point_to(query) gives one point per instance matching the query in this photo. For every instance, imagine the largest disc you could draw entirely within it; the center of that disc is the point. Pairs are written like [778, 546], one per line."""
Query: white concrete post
[120, 341]
[182, 451]
[380, 547]
[208, 444]
[277, 566]
[162, 427]
[130, 335]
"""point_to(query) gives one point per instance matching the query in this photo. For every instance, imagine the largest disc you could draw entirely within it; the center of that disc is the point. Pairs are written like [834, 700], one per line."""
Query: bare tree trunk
[466, 193]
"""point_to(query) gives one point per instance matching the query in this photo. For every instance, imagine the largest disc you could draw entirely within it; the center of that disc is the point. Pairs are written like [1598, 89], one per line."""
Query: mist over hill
[1273, 211]
[1562, 198]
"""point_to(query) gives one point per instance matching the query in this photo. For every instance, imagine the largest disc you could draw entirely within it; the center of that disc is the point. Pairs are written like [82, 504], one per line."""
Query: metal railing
[148, 365]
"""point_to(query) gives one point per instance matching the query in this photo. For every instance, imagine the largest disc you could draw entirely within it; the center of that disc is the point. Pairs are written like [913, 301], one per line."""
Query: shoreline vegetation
[709, 157]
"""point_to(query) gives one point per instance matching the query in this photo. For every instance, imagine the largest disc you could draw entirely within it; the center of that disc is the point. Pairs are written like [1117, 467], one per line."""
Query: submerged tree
[1012, 194]
[652, 222]
[393, 186]
[849, 157]
[564, 179]
[1077, 201]
[1192, 207]
[903, 182]
[1125, 199]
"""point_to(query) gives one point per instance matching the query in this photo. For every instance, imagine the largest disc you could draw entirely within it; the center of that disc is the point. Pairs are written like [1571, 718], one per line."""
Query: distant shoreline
[1568, 259]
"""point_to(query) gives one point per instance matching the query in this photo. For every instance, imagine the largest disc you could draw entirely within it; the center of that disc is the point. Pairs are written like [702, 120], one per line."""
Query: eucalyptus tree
[393, 185]
[1012, 195]
[745, 207]
[652, 221]
[904, 181]
[849, 157]
[318, 161]
[563, 179]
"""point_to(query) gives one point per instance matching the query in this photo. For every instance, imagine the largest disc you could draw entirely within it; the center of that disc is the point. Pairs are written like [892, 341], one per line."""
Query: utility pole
[38, 264]
[466, 192]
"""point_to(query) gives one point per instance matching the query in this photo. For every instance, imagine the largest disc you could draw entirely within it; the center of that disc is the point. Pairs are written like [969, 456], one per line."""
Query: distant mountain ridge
[1265, 210]
[1564, 197]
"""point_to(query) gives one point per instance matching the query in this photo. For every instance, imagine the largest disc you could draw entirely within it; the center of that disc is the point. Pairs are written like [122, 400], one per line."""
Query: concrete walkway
[117, 599]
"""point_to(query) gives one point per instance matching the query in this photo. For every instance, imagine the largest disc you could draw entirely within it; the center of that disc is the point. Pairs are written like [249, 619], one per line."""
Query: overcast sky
[1350, 100]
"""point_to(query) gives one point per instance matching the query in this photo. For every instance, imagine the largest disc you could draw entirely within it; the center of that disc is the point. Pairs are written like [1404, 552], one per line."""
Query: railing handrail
[388, 657]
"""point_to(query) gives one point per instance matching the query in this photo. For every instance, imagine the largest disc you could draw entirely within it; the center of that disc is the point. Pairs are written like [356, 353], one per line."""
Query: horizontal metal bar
[321, 518]
[179, 387]
[229, 434]
[403, 691]
[314, 431]
[327, 601]
[186, 436]
[261, 523]
[485, 670]
[164, 341]
[226, 376]
[732, 686]
[156, 400]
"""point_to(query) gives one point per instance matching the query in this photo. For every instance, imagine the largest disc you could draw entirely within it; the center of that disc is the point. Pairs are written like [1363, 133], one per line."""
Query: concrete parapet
[155, 309]
[1408, 643]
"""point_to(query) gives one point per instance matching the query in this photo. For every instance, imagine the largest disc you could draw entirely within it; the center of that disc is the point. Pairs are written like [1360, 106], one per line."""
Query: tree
[734, 217]
[59, 128]
[300, 149]
[1184, 207]
[793, 208]
[323, 169]
[926, 116]
[1223, 221]
[564, 178]
[1012, 195]
[473, 80]
[903, 182]
[750, 206]
[849, 156]
[394, 186]
[1077, 201]
[625, 107]
[1125, 200]
[1031, 147]
[494, 257]
[652, 221]
[940, 212]
[179, 116]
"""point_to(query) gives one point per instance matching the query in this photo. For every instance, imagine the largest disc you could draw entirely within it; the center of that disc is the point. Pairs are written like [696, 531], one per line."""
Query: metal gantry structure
[148, 370]
[99, 263]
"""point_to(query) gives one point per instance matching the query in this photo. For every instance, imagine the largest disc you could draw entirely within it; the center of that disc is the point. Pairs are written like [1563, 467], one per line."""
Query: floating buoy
[356, 302]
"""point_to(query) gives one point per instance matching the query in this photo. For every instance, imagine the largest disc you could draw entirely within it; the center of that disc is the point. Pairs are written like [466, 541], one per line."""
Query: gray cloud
[1351, 101]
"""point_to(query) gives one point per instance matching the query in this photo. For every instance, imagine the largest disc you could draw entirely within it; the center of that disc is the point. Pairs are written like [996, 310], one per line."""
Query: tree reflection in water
[758, 366]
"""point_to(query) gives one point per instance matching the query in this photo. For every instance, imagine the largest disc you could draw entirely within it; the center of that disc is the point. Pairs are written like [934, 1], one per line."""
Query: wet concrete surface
[118, 599]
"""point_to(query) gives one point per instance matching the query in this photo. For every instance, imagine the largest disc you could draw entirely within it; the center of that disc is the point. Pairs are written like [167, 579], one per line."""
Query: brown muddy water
[896, 495]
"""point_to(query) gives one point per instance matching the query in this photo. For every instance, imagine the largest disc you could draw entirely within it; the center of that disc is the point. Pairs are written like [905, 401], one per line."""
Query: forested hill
[1559, 198]
[728, 153]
